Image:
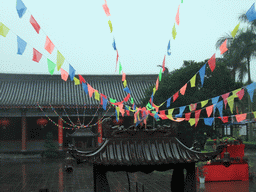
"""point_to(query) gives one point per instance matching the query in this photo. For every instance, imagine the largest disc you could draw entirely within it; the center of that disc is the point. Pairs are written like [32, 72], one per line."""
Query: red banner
[100, 132]
[60, 132]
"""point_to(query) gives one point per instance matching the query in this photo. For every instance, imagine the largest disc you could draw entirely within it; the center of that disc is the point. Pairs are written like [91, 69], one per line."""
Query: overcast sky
[142, 29]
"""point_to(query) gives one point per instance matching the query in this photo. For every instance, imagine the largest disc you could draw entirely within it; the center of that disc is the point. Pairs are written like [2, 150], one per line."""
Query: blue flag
[156, 116]
[219, 105]
[114, 45]
[126, 108]
[168, 49]
[214, 101]
[181, 111]
[21, 8]
[21, 45]
[116, 116]
[71, 72]
[105, 101]
[126, 89]
[208, 121]
[202, 73]
[86, 88]
[168, 102]
[152, 96]
[134, 106]
[250, 89]
[251, 14]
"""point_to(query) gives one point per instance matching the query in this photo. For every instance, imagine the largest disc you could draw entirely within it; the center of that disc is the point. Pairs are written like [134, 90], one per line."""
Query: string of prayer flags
[120, 68]
[187, 116]
[160, 75]
[223, 47]
[174, 33]
[163, 66]
[36, 55]
[183, 89]
[181, 111]
[101, 98]
[231, 103]
[85, 87]
[202, 74]
[110, 26]
[251, 13]
[81, 79]
[21, 8]
[123, 76]
[208, 121]
[224, 97]
[71, 72]
[177, 18]
[106, 9]
[233, 33]
[97, 95]
[192, 121]
[126, 89]
[168, 102]
[3, 30]
[192, 107]
[21, 45]
[116, 58]
[175, 96]
[34, 24]
[127, 97]
[60, 60]
[219, 105]
[240, 94]
[209, 110]
[157, 83]
[64, 74]
[90, 90]
[224, 119]
[125, 83]
[197, 115]
[193, 81]
[114, 45]
[105, 101]
[250, 89]
[240, 117]
[212, 62]
[49, 46]
[51, 66]
[169, 48]
[203, 103]
[77, 82]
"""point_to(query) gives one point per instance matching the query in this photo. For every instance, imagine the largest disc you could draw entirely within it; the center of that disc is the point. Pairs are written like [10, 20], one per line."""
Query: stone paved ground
[30, 175]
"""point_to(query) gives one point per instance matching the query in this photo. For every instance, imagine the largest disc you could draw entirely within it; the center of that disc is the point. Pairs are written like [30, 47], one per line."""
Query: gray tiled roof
[27, 89]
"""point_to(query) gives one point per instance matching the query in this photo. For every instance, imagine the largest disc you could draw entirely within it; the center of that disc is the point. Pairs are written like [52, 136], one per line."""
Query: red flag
[36, 55]
[128, 112]
[187, 116]
[157, 83]
[34, 24]
[209, 110]
[162, 115]
[241, 117]
[116, 59]
[223, 47]
[183, 89]
[224, 119]
[106, 9]
[82, 80]
[127, 97]
[49, 46]
[163, 66]
[240, 94]
[225, 96]
[175, 96]
[193, 107]
[197, 115]
[123, 76]
[212, 62]
[101, 100]
[177, 19]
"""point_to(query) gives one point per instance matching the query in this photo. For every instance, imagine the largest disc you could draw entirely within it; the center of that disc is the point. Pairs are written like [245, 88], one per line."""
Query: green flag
[112, 100]
[160, 75]
[131, 100]
[120, 67]
[51, 66]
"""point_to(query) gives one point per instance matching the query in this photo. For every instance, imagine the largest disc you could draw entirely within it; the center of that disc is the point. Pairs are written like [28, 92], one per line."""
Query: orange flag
[123, 76]
[49, 46]
[209, 110]
[177, 19]
[212, 62]
[64, 74]
[241, 117]
[175, 96]
[157, 83]
[240, 94]
[183, 89]
[90, 89]
[197, 115]
[223, 47]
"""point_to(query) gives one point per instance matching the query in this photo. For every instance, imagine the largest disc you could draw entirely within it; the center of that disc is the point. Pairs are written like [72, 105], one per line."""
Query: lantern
[4, 122]
[43, 122]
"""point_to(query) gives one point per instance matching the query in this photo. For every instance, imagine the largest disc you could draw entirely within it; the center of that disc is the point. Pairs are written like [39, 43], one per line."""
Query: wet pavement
[33, 174]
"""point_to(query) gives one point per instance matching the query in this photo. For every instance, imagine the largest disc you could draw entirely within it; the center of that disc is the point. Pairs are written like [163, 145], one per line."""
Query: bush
[51, 147]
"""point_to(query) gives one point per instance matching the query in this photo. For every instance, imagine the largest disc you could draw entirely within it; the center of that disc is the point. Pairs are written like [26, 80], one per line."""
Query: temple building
[26, 99]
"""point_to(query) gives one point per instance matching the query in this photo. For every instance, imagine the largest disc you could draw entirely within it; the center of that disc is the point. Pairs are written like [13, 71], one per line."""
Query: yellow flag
[77, 82]
[192, 121]
[110, 26]
[174, 33]
[154, 90]
[254, 113]
[193, 81]
[3, 30]
[170, 111]
[117, 112]
[231, 103]
[97, 95]
[125, 83]
[233, 33]
[60, 60]
[203, 103]
[235, 91]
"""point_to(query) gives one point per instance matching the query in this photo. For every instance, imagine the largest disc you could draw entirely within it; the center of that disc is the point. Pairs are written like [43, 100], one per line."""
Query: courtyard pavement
[32, 174]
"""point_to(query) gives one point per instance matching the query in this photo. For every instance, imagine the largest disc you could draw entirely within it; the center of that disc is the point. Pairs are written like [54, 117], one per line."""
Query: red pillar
[60, 134]
[100, 130]
[23, 133]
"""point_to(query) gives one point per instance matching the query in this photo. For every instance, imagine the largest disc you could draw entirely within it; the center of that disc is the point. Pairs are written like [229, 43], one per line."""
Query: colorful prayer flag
[183, 89]
[127, 97]
[90, 89]
[225, 96]
[97, 95]
[120, 67]
[114, 45]
[77, 82]
[250, 89]
[187, 116]
[202, 74]
[3, 30]
[192, 121]
[21, 45]
[49, 46]
[105, 101]
[157, 83]
[85, 87]
[224, 119]
[223, 47]
[64, 74]
[181, 111]
[71, 72]
[163, 66]
[203, 103]
[160, 75]
[36, 55]
[192, 107]
[116, 58]
[251, 13]
[209, 110]
[34, 24]
[193, 81]
[51, 66]
[106, 9]
[240, 94]
[123, 76]
[212, 62]
[231, 103]
[219, 105]
[110, 26]
[81, 79]
[125, 83]
[208, 121]
[177, 19]
[233, 33]
[174, 33]
[197, 115]
[168, 102]
[240, 117]
[60, 60]
[21, 8]
[168, 48]
[126, 89]
[175, 96]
